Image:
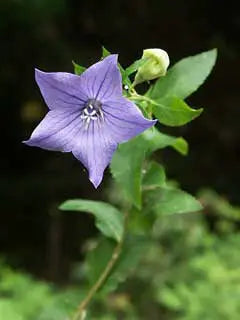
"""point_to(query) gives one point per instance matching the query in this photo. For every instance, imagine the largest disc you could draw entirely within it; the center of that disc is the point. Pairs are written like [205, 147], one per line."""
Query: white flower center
[92, 112]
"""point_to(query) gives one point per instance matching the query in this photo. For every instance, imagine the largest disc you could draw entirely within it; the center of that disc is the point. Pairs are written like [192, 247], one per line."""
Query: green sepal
[78, 69]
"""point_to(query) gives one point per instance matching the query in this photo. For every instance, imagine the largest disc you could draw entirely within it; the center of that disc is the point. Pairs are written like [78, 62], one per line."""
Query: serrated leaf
[127, 162]
[185, 77]
[174, 112]
[97, 259]
[109, 220]
[167, 201]
[155, 176]
[78, 69]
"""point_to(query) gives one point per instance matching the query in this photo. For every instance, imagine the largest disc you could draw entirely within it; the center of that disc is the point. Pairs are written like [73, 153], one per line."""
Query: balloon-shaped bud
[155, 65]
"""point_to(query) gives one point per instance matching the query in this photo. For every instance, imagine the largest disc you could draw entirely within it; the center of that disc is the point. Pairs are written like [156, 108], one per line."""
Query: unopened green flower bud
[155, 66]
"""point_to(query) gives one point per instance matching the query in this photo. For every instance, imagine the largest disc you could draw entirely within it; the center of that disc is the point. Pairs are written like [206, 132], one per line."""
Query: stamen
[101, 114]
[92, 112]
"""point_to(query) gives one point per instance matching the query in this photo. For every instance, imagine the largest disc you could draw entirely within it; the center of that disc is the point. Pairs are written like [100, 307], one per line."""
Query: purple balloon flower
[88, 115]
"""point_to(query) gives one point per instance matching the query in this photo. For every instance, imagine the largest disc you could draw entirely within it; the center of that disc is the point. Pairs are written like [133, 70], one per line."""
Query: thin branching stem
[81, 310]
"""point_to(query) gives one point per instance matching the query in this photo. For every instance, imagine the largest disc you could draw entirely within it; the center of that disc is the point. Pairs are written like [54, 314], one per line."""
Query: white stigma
[91, 112]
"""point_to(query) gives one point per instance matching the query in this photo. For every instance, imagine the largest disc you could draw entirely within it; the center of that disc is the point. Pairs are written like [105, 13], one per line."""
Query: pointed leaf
[155, 176]
[166, 201]
[174, 112]
[109, 220]
[185, 77]
[127, 162]
[154, 140]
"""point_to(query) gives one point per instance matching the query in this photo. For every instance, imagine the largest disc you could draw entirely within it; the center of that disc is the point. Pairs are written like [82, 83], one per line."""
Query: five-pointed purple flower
[88, 115]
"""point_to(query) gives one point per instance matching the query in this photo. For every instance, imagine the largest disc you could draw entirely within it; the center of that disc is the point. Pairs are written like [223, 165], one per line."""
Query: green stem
[139, 98]
[81, 310]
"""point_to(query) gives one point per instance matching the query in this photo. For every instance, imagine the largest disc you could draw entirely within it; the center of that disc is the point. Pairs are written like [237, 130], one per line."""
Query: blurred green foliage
[186, 271]
[23, 298]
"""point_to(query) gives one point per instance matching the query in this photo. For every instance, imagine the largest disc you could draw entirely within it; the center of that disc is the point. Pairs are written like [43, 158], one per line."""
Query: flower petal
[91, 137]
[103, 79]
[61, 89]
[95, 148]
[124, 120]
[57, 131]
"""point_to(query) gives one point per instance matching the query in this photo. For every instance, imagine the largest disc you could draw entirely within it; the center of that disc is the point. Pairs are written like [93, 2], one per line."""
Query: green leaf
[127, 163]
[126, 167]
[97, 259]
[154, 177]
[166, 201]
[185, 77]
[141, 221]
[153, 139]
[174, 112]
[109, 220]
[78, 69]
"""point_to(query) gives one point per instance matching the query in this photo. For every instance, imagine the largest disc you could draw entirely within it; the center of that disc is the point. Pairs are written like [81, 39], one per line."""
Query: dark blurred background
[48, 35]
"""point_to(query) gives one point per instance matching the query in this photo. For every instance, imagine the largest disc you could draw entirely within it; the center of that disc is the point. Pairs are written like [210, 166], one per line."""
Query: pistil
[92, 111]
